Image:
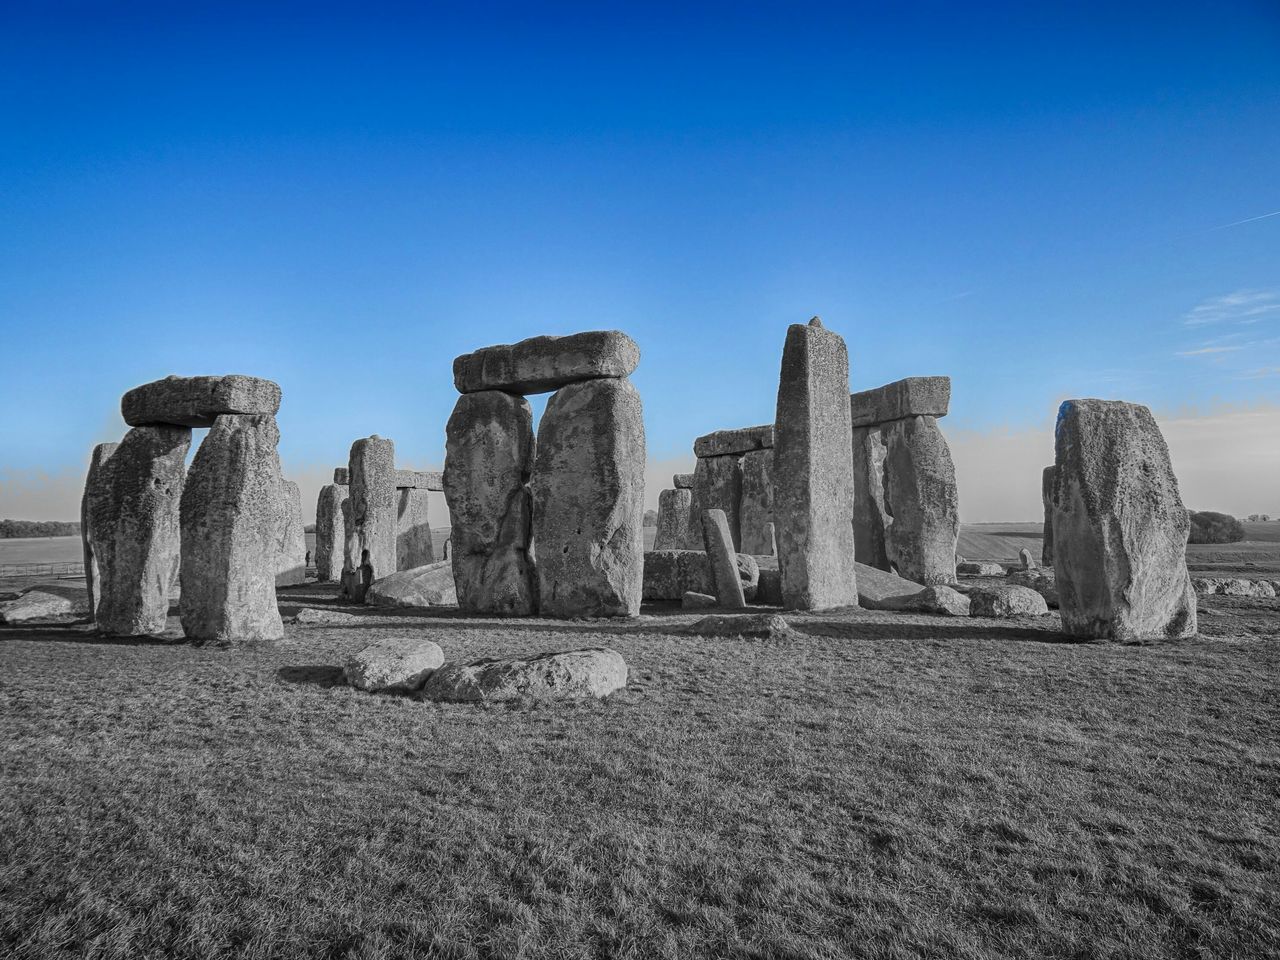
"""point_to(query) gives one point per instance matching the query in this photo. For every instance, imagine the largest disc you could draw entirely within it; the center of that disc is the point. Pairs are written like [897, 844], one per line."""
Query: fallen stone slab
[682, 481]
[937, 599]
[321, 616]
[876, 587]
[693, 600]
[393, 665]
[1243, 587]
[980, 568]
[198, 401]
[742, 440]
[751, 626]
[569, 675]
[543, 364]
[1041, 580]
[426, 586]
[912, 397]
[46, 601]
[1005, 600]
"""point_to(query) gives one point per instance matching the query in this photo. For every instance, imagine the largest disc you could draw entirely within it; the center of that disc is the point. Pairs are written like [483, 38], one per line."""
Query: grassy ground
[874, 785]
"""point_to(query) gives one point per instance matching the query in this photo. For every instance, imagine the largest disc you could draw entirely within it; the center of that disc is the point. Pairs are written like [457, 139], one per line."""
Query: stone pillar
[1119, 526]
[717, 485]
[1046, 494]
[488, 460]
[133, 513]
[331, 532]
[372, 493]
[870, 519]
[920, 494]
[588, 501]
[352, 584]
[292, 564]
[232, 512]
[755, 516]
[813, 471]
[413, 528]
[89, 542]
[673, 519]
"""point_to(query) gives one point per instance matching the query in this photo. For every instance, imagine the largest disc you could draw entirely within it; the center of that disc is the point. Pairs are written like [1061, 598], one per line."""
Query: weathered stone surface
[750, 626]
[372, 494]
[588, 501]
[722, 560]
[1119, 526]
[724, 442]
[231, 512]
[769, 587]
[669, 573]
[748, 574]
[331, 533]
[693, 600]
[813, 471]
[94, 481]
[134, 518]
[877, 587]
[1046, 494]
[292, 568]
[912, 397]
[413, 528]
[717, 485]
[935, 599]
[488, 461]
[1024, 558]
[870, 519]
[426, 586]
[197, 401]
[356, 576]
[396, 664]
[324, 616]
[542, 364]
[1233, 587]
[755, 513]
[571, 675]
[405, 479]
[673, 519]
[1005, 600]
[1042, 581]
[682, 481]
[921, 495]
[46, 601]
[980, 568]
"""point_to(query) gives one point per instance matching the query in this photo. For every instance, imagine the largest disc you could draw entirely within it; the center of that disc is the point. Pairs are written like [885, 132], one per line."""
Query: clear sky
[1041, 204]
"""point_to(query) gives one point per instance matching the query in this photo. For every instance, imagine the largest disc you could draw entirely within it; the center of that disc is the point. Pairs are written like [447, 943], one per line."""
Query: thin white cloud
[1204, 350]
[1242, 306]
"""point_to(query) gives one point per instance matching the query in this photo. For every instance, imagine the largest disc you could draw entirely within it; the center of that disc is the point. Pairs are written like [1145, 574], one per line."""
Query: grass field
[873, 785]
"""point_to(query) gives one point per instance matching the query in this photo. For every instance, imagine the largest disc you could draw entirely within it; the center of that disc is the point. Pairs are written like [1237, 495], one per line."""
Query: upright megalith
[232, 511]
[198, 401]
[588, 500]
[91, 541]
[413, 528]
[921, 495]
[1119, 526]
[717, 485]
[755, 511]
[542, 364]
[488, 461]
[133, 514]
[372, 493]
[673, 519]
[722, 560]
[331, 532]
[871, 521]
[813, 471]
[1046, 495]
[292, 563]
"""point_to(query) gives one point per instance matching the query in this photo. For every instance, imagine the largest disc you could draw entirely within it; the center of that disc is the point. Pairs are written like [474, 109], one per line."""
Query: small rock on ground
[318, 615]
[394, 664]
[762, 626]
[1005, 600]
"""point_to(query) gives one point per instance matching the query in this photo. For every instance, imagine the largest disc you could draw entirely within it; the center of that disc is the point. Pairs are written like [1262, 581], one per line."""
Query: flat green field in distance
[40, 550]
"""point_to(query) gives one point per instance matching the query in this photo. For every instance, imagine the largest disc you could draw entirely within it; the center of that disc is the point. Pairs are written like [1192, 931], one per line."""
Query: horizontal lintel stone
[405, 479]
[912, 397]
[727, 442]
[198, 401]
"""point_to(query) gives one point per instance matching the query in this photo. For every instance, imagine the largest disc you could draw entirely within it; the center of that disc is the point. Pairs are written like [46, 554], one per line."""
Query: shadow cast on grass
[81, 631]
[319, 674]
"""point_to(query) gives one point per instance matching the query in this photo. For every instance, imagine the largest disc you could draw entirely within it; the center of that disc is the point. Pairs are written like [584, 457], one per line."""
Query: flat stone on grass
[1006, 600]
[393, 665]
[567, 675]
[754, 626]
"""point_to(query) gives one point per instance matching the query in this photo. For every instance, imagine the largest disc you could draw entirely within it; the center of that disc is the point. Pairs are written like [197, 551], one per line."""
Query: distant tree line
[11, 529]
[1210, 527]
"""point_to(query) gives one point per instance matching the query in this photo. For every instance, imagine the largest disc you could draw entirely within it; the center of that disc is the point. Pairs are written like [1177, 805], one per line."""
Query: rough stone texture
[717, 485]
[673, 519]
[813, 471]
[936, 599]
[921, 495]
[750, 626]
[748, 574]
[1042, 581]
[542, 364]
[912, 397]
[588, 501]
[197, 401]
[1119, 526]
[293, 539]
[722, 560]
[232, 510]
[354, 582]
[396, 664]
[682, 481]
[1005, 600]
[323, 616]
[133, 513]
[413, 528]
[373, 503]
[426, 586]
[870, 520]
[571, 675]
[46, 601]
[877, 587]
[669, 573]
[755, 513]
[724, 442]
[488, 461]
[1024, 558]
[94, 480]
[331, 533]
[1233, 587]
[693, 600]
[1046, 494]
[979, 568]
[405, 479]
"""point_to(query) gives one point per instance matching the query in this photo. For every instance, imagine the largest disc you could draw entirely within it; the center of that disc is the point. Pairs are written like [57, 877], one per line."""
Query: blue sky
[1042, 205]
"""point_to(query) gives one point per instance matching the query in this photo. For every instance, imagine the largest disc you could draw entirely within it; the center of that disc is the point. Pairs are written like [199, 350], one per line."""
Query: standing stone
[755, 513]
[232, 511]
[413, 528]
[921, 495]
[717, 485]
[722, 560]
[488, 460]
[353, 586]
[133, 514]
[1119, 526]
[870, 519]
[292, 567]
[588, 501]
[1046, 494]
[673, 519]
[373, 502]
[331, 533]
[90, 544]
[813, 471]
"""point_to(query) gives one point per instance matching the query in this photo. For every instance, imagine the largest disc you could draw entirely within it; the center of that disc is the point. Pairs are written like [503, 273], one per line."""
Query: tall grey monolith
[755, 513]
[870, 520]
[1046, 495]
[292, 563]
[413, 528]
[921, 495]
[89, 542]
[717, 485]
[331, 532]
[673, 519]
[372, 491]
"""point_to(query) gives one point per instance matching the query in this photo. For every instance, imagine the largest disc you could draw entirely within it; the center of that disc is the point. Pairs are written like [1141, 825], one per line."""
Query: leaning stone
[724, 442]
[47, 601]
[1042, 581]
[878, 587]
[813, 471]
[673, 519]
[717, 485]
[393, 665]
[870, 519]
[921, 495]
[231, 516]
[1005, 600]
[723, 560]
[1046, 495]
[89, 542]
[682, 481]
[751, 626]
[935, 599]
[980, 568]
[427, 586]
[1024, 558]
[321, 616]
[571, 675]
[588, 501]
[413, 528]
[1119, 526]
[331, 533]
[134, 515]
[292, 567]
[912, 397]
[755, 513]
[373, 503]
[489, 458]
[542, 364]
[198, 401]
[692, 600]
